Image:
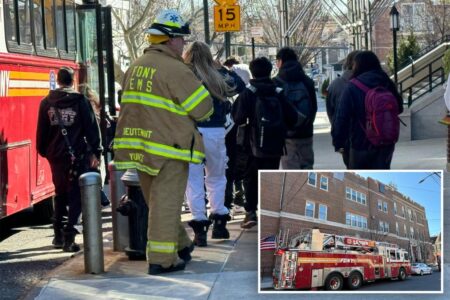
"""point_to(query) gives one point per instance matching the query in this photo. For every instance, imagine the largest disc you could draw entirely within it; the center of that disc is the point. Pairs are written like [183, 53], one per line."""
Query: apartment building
[345, 204]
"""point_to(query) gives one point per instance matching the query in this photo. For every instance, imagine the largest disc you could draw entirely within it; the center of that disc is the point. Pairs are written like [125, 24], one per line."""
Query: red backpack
[382, 122]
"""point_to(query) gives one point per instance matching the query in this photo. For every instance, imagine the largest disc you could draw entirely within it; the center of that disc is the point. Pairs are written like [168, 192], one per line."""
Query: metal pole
[206, 21]
[227, 44]
[119, 223]
[282, 23]
[90, 185]
[394, 33]
[253, 48]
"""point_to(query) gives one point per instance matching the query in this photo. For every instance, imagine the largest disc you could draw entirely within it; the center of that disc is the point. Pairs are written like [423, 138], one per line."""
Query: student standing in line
[351, 122]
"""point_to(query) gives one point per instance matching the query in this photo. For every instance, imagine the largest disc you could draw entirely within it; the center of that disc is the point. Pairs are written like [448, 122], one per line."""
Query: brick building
[344, 204]
[418, 16]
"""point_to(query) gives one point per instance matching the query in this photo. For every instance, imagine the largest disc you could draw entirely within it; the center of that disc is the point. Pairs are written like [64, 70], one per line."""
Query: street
[412, 283]
[26, 252]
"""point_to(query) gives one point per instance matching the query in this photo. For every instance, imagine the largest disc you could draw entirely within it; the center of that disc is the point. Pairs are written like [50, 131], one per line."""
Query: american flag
[268, 243]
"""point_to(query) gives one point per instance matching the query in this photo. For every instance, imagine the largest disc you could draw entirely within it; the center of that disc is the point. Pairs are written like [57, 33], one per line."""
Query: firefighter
[156, 134]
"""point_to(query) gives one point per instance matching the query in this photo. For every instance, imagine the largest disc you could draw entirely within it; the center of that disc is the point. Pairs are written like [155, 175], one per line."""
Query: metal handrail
[424, 51]
[426, 89]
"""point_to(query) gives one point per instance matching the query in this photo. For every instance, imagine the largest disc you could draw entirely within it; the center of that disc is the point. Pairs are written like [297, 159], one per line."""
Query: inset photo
[347, 232]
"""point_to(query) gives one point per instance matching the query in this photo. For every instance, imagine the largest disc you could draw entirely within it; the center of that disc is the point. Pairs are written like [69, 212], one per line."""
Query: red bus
[36, 38]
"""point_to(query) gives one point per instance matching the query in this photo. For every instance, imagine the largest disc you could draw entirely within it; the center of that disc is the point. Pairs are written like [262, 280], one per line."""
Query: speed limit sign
[227, 18]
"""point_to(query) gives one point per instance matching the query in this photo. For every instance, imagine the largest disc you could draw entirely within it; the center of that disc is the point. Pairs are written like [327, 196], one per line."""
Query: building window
[410, 214]
[411, 231]
[355, 220]
[414, 18]
[322, 212]
[395, 208]
[383, 226]
[352, 195]
[415, 216]
[309, 209]
[324, 183]
[380, 205]
[312, 178]
[396, 229]
[381, 187]
[385, 207]
[405, 233]
[403, 212]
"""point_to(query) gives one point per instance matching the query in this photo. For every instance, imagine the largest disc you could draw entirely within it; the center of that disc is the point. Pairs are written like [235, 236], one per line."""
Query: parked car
[434, 267]
[420, 269]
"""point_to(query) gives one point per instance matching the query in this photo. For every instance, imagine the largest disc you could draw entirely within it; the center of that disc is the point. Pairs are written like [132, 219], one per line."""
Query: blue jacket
[351, 112]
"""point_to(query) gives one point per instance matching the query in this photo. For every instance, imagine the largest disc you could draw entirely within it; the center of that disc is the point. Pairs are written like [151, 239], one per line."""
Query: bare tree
[131, 22]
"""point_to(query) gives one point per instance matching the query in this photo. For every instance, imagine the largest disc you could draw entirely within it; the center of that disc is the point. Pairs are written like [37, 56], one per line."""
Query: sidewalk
[211, 273]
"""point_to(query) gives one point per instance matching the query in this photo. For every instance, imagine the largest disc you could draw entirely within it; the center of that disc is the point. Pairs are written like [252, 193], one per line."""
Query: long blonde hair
[200, 58]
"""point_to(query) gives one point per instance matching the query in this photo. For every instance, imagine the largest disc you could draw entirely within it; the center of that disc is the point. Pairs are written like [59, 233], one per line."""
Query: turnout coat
[161, 103]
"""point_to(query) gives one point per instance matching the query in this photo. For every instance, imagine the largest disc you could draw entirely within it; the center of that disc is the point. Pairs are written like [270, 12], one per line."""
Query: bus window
[10, 21]
[60, 28]
[37, 18]
[24, 22]
[49, 24]
[70, 23]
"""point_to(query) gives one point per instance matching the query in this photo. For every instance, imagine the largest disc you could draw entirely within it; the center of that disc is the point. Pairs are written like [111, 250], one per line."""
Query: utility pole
[206, 21]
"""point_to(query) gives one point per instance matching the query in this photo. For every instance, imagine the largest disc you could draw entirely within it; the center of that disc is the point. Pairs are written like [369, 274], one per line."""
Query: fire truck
[319, 260]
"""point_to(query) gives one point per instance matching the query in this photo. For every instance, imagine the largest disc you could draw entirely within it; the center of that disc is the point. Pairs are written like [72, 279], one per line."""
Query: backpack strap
[64, 134]
[360, 85]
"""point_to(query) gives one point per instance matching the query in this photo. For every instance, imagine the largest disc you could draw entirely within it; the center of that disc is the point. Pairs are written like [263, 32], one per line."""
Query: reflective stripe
[136, 165]
[205, 117]
[194, 99]
[161, 247]
[173, 24]
[158, 149]
[153, 101]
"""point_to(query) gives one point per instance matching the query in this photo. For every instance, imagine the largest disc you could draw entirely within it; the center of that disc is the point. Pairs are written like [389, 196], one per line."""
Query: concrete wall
[425, 115]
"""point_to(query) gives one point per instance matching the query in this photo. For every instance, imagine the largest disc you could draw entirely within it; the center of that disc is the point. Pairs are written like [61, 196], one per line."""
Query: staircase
[424, 73]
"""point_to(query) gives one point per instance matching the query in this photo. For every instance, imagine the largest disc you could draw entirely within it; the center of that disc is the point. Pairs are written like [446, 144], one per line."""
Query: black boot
[185, 253]
[200, 230]
[58, 240]
[154, 269]
[219, 228]
[69, 240]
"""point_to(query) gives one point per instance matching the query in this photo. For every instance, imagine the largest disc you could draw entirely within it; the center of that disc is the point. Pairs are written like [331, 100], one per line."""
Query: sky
[427, 193]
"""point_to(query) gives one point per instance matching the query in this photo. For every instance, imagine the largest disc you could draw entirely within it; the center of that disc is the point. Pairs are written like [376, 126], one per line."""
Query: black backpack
[268, 132]
[298, 96]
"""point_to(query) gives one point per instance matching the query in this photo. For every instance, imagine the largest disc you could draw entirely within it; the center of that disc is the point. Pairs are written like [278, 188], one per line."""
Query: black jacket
[335, 91]
[221, 107]
[351, 112]
[291, 71]
[79, 121]
[244, 107]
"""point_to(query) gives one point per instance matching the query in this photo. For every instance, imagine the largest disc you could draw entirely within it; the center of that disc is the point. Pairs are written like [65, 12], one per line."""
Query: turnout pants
[164, 196]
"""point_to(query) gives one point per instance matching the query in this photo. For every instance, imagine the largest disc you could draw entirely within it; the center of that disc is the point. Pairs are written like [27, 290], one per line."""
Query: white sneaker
[237, 210]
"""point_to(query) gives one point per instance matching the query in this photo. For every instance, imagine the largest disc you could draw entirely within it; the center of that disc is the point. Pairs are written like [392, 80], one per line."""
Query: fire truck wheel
[401, 274]
[354, 281]
[334, 282]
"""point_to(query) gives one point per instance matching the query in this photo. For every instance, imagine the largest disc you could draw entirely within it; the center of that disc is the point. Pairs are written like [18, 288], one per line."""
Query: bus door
[95, 57]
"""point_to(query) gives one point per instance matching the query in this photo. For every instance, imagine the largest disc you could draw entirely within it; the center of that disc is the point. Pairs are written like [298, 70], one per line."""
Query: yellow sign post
[227, 17]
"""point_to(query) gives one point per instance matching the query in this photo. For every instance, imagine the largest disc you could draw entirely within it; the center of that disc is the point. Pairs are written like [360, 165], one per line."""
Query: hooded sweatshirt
[78, 119]
[291, 71]
[351, 112]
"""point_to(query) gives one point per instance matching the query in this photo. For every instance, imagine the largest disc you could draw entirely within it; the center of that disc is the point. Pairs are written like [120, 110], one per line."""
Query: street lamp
[395, 26]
